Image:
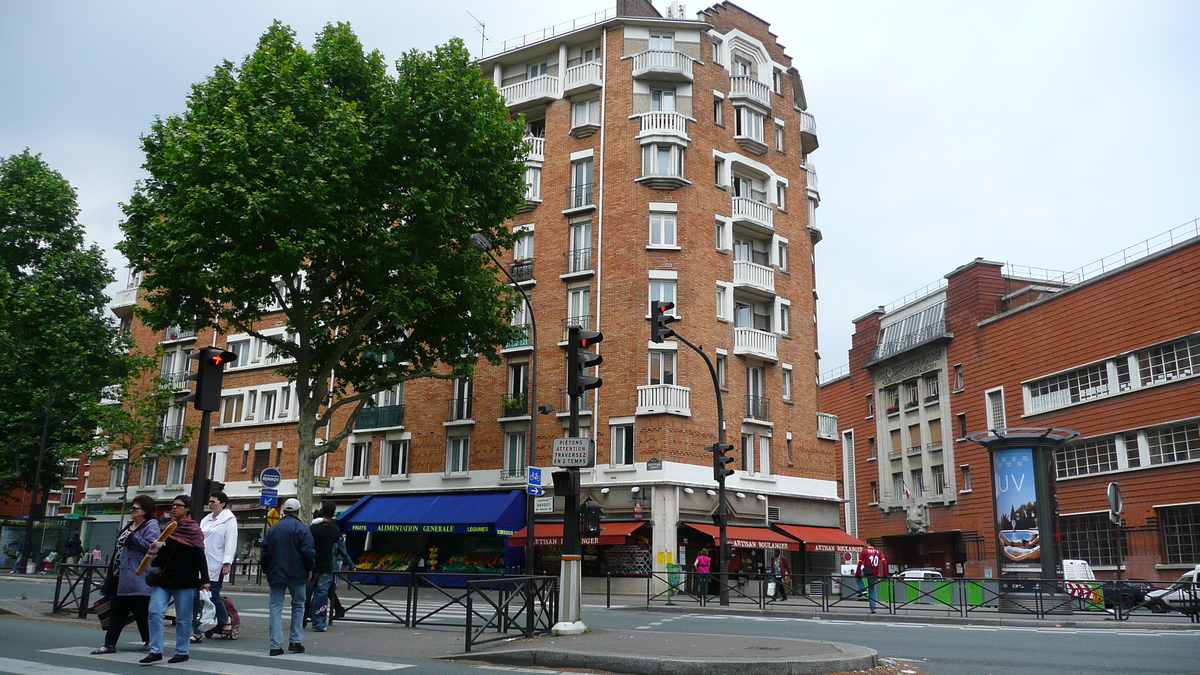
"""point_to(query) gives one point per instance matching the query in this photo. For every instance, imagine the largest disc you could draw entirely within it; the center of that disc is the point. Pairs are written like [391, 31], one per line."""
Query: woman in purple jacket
[133, 595]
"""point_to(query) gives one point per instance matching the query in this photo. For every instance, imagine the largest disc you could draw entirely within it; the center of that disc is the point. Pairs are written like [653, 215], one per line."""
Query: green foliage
[61, 349]
[319, 183]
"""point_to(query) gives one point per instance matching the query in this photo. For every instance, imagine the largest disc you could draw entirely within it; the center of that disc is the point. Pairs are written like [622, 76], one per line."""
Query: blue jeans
[320, 601]
[275, 618]
[873, 591]
[159, 599]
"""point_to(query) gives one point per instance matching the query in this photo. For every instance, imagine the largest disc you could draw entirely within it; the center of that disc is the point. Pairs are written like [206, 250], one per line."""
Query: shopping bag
[208, 611]
[771, 588]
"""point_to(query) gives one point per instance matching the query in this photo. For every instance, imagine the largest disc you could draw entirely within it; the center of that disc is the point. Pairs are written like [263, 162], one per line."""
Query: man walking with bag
[871, 565]
[287, 557]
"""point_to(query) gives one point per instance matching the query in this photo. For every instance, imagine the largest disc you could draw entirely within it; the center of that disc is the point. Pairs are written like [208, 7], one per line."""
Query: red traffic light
[587, 338]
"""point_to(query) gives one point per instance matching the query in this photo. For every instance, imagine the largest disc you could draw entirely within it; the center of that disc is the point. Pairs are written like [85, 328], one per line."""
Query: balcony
[664, 123]
[813, 192]
[808, 131]
[382, 417]
[758, 408]
[827, 427]
[521, 342]
[578, 262]
[582, 77]
[914, 450]
[584, 322]
[753, 342]
[663, 65]
[541, 89]
[747, 88]
[753, 275]
[660, 399]
[124, 301]
[167, 434]
[175, 334]
[537, 149]
[580, 198]
[514, 405]
[758, 214]
[176, 381]
[906, 342]
[459, 410]
[521, 270]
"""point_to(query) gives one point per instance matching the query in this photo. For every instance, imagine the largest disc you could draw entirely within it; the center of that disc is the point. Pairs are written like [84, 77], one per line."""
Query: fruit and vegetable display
[475, 563]
[377, 560]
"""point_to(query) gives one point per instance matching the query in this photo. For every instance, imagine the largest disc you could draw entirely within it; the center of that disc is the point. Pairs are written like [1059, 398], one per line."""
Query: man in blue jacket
[287, 557]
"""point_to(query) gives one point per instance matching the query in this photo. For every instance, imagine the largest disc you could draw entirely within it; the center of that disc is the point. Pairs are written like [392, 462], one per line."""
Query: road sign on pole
[270, 478]
[534, 476]
[268, 497]
[534, 490]
[573, 453]
[1115, 503]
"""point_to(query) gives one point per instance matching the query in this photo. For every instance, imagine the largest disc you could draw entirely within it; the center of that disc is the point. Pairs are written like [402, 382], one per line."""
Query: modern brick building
[668, 160]
[1111, 350]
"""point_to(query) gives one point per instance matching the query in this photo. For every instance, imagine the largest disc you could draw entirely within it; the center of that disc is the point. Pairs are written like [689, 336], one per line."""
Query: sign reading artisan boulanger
[832, 548]
[754, 543]
[426, 529]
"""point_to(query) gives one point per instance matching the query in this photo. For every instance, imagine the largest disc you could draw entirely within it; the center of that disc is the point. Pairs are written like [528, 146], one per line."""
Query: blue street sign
[270, 478]
[271, 500]
[534, 490]
[270, 492]
[535, 476]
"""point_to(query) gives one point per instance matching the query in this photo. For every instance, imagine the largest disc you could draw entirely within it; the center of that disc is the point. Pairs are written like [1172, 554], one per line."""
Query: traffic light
[590, 515]
[659, 320]
[722, 456]
[578, 360]
[207, 395]
[566, 483]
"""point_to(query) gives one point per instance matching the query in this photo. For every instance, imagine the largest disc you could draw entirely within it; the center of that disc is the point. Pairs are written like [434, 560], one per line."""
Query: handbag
[103, 610]
[154, 576]
[771, 588]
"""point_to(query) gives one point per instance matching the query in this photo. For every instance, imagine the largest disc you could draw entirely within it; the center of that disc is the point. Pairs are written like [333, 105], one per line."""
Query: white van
[1078, 570]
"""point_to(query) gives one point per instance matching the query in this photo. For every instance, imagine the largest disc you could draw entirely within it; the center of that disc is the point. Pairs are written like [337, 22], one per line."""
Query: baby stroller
[235, 623]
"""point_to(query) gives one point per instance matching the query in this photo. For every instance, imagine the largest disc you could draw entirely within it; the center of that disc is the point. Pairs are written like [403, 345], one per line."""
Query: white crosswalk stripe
[218, 667]
[34, 668]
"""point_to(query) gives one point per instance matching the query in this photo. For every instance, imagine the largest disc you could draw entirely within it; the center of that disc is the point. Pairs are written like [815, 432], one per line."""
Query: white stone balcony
[746, 87]
[808, 131]
[124, 301]
[752, 342]
[539, 89]
[537, 149]
[663, 65]
[582, 77]
[754, 212]
[813, 192]
[664, 123]
[761, 277]
[827, 426]
[668, 399]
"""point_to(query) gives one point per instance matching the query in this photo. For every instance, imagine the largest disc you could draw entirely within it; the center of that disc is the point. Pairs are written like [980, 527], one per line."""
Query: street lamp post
[481, 243]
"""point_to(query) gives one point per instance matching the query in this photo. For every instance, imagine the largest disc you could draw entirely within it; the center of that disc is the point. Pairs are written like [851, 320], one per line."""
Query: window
[581, 183]
[870, 405]
[584, 113]
[538, 69]
[579, 258]
[662, 367]
[719, 179]
[1065, 389]
[892, 396]
[622, 445]
[579, 302]
[931, 387]
[117, 468]
[460, 405]
[939, 479]
[722, 236]
[722, 300]
[514, 455]
[1086, 457]
[262, 461]
[458, 449]
[1089, 536]
[786, 380]
[779, 140]
[269, 399]
[966, 477]
[590, 54]
[662, 159]
[718, 110]
[741, 66]
[749, 123]
[70, 468]
[781, 255]
[533, 183]
[872, 448]
[898, 486]
[662, 229]
[745, 187]
[785, 318]
[777, 81]
[995, 409]
[177, 470]
[149, 471]
[251, 404]
[68, 497]
[523, 247]
[1180, 358]
[1133, 455]
[721, 370]
[1175, 443]
[1178, 528]
[232, 409]
[664, 290]
[662, 41]
[716, 51]
[958, 377]
[358, 464]
[911, 395]
[962, 425]
[662, 100]
[395, 459]
[874, 492]
[918, 479]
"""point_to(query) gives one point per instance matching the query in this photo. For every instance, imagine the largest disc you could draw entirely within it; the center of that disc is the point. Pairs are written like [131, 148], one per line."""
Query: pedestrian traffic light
[722, 456]
[659, 318]
[578, 360]
[590, 515]
[207, 395]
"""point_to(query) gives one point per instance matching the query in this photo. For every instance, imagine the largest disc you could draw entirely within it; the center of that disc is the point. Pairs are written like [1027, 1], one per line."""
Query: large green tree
[320, 183]
[61, 350]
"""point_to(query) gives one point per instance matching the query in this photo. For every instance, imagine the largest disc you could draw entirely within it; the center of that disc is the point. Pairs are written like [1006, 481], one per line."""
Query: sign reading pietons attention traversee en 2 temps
[573, 453]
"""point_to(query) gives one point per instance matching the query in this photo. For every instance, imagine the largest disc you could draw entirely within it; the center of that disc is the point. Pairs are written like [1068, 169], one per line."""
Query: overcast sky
[1042, 133]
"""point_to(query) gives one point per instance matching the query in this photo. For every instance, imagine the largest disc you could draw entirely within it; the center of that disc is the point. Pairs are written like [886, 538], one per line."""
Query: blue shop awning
[495, 513]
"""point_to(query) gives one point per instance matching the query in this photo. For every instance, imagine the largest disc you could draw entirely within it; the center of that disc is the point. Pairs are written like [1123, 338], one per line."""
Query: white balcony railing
[176, 381]
[812, 180]
[664, 398]
[583, 75]
[125, 297]
[827, 426]
[745, 208]
[808, 123]
[744, 85]
[544, 86]
[537, 148]
[753, 274]
[755, 342]
[664, 122]
[662, 62]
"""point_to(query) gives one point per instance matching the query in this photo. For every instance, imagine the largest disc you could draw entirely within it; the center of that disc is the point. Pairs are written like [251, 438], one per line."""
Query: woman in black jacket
[181, 568]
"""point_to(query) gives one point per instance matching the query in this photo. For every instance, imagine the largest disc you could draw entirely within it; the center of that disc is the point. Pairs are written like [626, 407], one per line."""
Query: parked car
[1181, 596]
[1130, 592]
[916, 574]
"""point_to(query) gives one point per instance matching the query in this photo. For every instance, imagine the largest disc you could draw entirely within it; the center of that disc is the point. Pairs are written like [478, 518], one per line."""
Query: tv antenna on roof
[481, 28]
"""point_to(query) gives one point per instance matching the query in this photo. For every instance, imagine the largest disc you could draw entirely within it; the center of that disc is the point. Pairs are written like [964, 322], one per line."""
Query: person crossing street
[287, 557]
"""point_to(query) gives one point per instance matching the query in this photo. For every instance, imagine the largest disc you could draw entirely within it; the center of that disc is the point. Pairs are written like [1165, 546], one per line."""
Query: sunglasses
[136, 508]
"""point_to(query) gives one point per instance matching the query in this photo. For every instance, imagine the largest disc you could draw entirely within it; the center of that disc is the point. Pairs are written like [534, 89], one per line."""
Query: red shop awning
[742, 536]
[823, 539]
[551, 534]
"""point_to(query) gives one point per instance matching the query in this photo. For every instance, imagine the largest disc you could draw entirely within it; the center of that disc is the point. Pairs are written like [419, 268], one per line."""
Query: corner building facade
[668, 160]
[1111, 350]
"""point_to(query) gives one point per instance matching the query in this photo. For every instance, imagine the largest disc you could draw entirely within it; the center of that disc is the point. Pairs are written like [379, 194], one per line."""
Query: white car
[918, 575]
[1182, 596]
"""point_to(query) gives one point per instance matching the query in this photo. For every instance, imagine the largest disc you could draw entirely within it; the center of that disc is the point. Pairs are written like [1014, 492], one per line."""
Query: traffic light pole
[200, 469]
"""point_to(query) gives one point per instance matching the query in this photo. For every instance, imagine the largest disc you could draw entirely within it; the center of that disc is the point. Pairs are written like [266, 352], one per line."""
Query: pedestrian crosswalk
[204, 659]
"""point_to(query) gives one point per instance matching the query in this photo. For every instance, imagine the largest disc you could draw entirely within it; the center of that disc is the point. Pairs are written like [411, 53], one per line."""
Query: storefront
[440, 533]
[621, 549]
[752, 546]
[826, 549]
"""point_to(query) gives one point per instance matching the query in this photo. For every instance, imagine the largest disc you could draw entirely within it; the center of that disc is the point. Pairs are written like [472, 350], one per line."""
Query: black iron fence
[76, 586]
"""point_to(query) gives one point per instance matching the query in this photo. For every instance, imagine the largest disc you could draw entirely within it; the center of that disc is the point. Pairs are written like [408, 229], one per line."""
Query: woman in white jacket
[220, 545]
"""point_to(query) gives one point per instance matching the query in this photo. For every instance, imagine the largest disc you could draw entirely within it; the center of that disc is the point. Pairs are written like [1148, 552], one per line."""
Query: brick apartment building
[1111, 351]
[668, 160]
